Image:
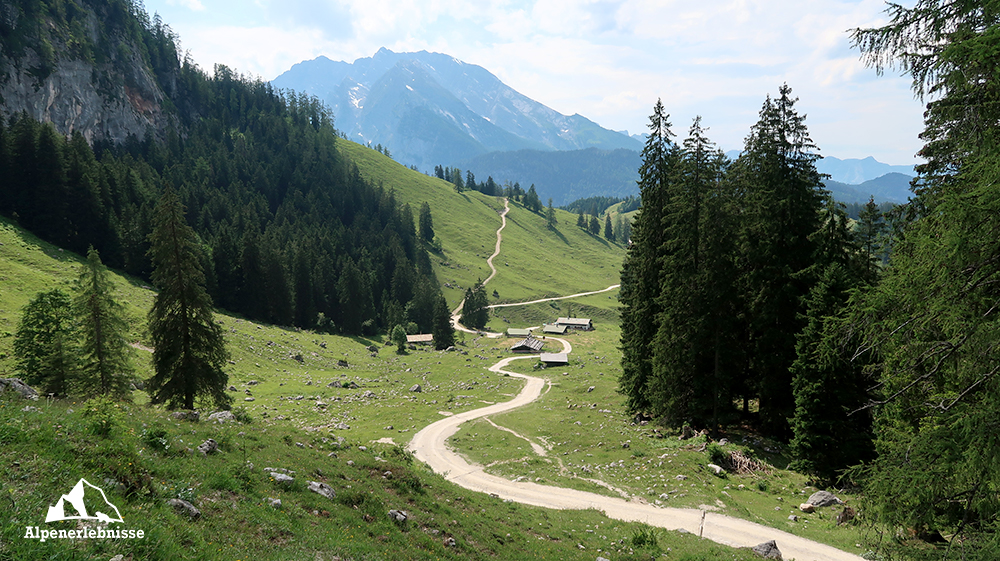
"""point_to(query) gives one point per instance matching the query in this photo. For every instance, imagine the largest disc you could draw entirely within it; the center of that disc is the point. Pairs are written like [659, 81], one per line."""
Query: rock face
[17, 385]
[185, 415]
[109, 100]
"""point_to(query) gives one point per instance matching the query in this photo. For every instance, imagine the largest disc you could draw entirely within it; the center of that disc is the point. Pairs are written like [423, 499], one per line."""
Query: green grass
[534, 261]
[299, 394]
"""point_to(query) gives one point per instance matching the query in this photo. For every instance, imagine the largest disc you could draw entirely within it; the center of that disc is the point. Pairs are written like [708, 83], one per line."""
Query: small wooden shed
[554, 359]
[528, 345]
[420, 339]
[553, 329]
[584, 324]
[518, 332]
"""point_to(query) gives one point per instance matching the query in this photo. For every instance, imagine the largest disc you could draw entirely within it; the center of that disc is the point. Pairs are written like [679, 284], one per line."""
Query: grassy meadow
[346, 425]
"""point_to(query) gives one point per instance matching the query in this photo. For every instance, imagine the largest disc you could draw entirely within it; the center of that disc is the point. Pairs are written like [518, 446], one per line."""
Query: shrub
[156, 438]
[104, 415]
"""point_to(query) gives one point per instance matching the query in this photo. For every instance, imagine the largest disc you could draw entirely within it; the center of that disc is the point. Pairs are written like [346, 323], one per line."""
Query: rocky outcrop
[102, 101]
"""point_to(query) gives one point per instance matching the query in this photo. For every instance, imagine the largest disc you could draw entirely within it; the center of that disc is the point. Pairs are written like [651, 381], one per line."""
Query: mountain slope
[373, 102]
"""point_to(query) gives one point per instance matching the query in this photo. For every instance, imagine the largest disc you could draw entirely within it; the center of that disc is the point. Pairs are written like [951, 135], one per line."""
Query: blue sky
[608, 60]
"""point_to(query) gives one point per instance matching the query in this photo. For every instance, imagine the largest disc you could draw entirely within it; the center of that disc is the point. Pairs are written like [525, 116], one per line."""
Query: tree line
[288, 230]
[870, 348]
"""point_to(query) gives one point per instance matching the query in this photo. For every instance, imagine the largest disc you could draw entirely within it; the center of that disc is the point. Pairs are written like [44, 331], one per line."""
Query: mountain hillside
[891, 187]
[430, 109]
[854, 171]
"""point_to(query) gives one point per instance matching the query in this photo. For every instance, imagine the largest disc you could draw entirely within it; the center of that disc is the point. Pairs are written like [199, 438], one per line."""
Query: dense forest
[872, 349]
[290, 232]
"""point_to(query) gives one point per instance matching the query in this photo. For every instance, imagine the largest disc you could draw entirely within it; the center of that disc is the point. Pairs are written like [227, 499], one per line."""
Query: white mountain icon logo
[86, 505]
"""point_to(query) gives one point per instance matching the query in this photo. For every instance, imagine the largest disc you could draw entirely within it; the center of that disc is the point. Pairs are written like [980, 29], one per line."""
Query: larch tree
[189, 350]
[105, 355]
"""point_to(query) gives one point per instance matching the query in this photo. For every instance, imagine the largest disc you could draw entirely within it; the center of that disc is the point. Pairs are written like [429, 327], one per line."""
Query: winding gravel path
[429, 445]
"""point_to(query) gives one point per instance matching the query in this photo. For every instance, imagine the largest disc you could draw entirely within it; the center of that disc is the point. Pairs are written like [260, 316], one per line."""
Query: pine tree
[443, 331]
[189, 350]
[475, 312]
[609, 231]
[692, 362]
[426, 223]
[642, 270]
[105, 354]
[594, 226]
[550, 216]
[781, 209]
[43, 343]
[581, 222]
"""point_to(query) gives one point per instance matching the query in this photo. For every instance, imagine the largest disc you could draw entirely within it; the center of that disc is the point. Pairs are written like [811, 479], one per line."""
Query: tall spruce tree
[692, 366]
[933, 320]
[642, 270]
[781, 203]
[444, 333]
[189, 350]
[105, 354]
[426, 223]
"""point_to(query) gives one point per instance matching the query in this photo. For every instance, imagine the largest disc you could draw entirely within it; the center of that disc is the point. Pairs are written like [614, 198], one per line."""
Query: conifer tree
[933, 320]
[475, 313]
[581, 222]
[426, 223]
[550, 216]
[782, 198]
[399, 337]
[43, 343]
[443, 331]
[594, 226]
[105, 354]
[609, 231]
[189, 350]
[642, 270]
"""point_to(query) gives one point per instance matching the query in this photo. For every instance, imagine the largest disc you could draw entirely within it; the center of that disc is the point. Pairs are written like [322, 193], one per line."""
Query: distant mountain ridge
[431, 108]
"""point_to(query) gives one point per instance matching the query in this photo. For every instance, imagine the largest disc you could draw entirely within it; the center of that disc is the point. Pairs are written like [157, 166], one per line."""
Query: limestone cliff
[78, 74]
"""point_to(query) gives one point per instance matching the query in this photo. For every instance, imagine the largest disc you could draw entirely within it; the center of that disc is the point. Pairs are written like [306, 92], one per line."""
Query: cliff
[80, 72]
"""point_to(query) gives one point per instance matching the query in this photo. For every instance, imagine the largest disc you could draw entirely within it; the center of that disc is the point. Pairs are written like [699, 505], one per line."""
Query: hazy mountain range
[432, 109]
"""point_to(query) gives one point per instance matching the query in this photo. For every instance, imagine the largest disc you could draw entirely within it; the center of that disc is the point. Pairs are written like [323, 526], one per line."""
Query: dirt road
[429, 446]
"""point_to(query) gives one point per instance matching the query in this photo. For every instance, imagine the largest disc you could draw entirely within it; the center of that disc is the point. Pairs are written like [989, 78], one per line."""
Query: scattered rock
[680, 477]
[322, 489]
[793, 518]
[222, 417]
[185, 415]
[807, 508]
[824, 498]
[368, 394]
[416, 388]
[450, 542]
[399, 516]
[716, 469]
[332, 384]
[29, 409]
[210, 446]
[342, 363]
[767, 550]
[372, 349]
[686, 433]
[18, 385]
[118, 557]
[275, 503]
[352, 386]
[185, 507]
[279, 477]
[232, 388]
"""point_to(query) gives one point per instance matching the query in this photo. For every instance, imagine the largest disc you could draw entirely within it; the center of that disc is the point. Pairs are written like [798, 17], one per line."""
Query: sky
[608, 60]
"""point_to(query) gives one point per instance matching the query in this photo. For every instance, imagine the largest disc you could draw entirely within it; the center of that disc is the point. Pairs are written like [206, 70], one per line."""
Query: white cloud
[608, 60]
